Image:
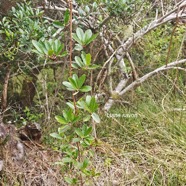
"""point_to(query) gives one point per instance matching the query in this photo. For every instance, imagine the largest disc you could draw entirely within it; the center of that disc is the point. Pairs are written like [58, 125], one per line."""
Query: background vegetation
[140, 139]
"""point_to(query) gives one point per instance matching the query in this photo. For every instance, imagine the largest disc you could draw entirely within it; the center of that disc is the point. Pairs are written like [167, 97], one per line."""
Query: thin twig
[135, 75]
[70, 52]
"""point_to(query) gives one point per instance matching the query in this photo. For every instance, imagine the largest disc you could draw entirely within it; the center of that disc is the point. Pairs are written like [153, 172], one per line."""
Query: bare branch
[139, 81]
[157, 22]
[132, 66]
[124, 48]
[54, 7]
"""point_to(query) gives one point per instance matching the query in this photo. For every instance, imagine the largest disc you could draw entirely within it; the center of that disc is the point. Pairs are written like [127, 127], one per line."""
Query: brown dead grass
[36, 169]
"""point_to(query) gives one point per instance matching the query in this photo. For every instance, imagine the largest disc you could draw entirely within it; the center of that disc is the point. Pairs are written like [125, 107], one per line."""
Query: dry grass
[36, 169]
[149, 149]
[152, 146]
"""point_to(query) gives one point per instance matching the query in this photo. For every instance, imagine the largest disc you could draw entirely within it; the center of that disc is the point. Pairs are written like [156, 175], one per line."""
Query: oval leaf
[95, 117]
[86, 88]
[55, 135]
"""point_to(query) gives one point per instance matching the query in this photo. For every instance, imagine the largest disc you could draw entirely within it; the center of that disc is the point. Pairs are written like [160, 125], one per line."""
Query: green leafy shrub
[75, 133]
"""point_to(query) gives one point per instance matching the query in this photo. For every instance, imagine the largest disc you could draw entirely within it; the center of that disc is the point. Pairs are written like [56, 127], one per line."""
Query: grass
[142, 144]
[152, 145]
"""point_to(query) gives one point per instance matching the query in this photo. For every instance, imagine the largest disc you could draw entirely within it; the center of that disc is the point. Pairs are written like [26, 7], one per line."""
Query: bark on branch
[139, 81]
[121, 88]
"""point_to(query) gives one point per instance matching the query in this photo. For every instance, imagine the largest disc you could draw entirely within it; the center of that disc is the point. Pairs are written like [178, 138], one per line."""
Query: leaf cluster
[49, 48]
[22, 25]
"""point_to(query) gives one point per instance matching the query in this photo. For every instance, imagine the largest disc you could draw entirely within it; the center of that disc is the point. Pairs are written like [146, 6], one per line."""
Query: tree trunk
[29, 89]
[5, 90]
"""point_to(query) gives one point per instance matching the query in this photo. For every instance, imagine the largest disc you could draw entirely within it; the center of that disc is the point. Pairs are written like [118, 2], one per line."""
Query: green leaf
[74, 65]
[59, 49]
[86, 88]
[87, 9]
[64, 54]
[87, 142]
[66, 114]
[50, 52]
[94, 5]
[44, 48]
[76, 119]
[88, 59]
[88, 99]
[73, 82]
[86, 118]
[36, 51]
[78, 165]
[60, 132]
[92, 67]
[85, 164]
[61, 120]
[71, 105]
[13, 10]
[78, 61]
[75, 140]
[38, 46]
[78, 47]
[81, 80]
[91, 39]
[55, 135]
[64, 129]
[93, 105]
[83, 56]
[74, 36]
[71, 180]
[87, 36]
[79, 133]
[95, 117]
[80, 33]
[66, 17]
[88, 131]
[81, 12]
[82, 105]
[56, 45]
[47, 45]
[69, 86]
[58, 24]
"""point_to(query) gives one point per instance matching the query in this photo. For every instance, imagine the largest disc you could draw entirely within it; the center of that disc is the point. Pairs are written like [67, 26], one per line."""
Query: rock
[31, 131]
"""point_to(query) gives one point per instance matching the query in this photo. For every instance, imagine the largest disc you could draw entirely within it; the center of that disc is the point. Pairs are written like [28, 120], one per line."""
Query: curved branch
[139, 81]
[152, 25]
[150, 74]
[124, 48]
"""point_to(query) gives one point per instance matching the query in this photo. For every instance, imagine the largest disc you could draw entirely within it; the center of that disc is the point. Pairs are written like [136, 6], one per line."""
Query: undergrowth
[148, 135]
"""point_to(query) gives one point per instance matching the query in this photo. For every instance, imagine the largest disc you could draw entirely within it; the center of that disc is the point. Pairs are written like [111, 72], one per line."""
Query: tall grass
[148, 138]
